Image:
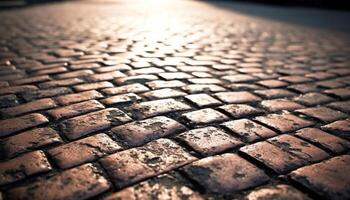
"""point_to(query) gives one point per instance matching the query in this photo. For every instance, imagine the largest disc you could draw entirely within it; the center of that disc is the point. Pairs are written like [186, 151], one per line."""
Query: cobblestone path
[170, 100]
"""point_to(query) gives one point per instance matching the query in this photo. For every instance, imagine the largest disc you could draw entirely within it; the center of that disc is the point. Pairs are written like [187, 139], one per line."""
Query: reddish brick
[284, 122]
[54, 70]
[238, 78]
[237, 97]
[249, 130]
[59, 83]
[29, 140]
[313, 99]
[327, 179]
[74, 74]
[205, 81]
[105, 76]
[299, 148]
[122, 98]
[280, 191]
[84, 150]
[134, 88]
[280, 104]
[81, 182]
[150, 189]
[23, 166]
[34, 79]
[164, 93]
[120, 67]
[140, 132]
[225, 173]
[93, 86]
[343, 93]
[273, 157]
[84, 66]
[240, 110]
[158, 84]
[75, 109]
[82, 125]
[295, 79]
[341, 128]
[135, 79]
[274, 93]
[9, 126]
[175, 75]
[17, 89]
[204, 116]
[78, 97]
[343, 106]
[272, 83]
[132, 165]
[209, 140]
[158, 107]
[194, 88]
[321, 138]
[37, 105]
[322, 113]
[148, 70]
[202, 100]
[38, 94]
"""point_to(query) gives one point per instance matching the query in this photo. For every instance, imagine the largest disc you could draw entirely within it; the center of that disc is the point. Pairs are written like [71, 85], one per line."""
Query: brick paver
[170, 100]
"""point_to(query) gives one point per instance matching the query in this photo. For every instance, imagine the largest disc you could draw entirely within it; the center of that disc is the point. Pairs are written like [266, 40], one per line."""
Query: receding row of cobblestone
[221, 106]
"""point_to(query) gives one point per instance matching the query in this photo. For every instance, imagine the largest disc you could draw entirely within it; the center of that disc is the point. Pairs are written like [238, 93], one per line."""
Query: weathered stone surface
[82, 125]
[139, 132]
[225, 173]
[132, 165]
[81, 182]
[327, 178]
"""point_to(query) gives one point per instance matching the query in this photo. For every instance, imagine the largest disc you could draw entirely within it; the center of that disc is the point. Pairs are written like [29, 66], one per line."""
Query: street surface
[166, 99]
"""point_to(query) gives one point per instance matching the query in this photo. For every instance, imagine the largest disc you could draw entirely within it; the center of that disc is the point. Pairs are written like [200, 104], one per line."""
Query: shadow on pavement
[328, 19]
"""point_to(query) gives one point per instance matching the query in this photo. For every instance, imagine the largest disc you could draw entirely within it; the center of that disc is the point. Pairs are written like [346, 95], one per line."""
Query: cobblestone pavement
[170, 100]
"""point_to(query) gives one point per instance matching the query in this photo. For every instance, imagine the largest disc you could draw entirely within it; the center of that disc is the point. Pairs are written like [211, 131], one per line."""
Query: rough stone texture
[327, 178]
[299, 148]
[273, 157]
[276, 192]
[204, 116]
[78, 183]
[29, 140]
[209, 140]
[225, 173]
[83, 150]
[250, 131]
[9, 126]
[79, 126]
[327, 141]
[284, 122]
[23, 166]
[75, 109]
[341, 128]
[139, 132]
[161, 187]
[158, 107]
[142, 89]
[129, 166]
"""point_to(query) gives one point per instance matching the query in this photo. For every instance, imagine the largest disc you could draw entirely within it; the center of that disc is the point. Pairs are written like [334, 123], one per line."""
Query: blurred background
[328, 4]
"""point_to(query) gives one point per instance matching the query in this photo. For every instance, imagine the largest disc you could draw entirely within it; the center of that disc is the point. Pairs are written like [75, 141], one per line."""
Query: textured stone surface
[139, 132]
[83, 150]
[130, 166]
[78, 183]
[136, 92]
[225, 173]
[209, 140]
[327, 178]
